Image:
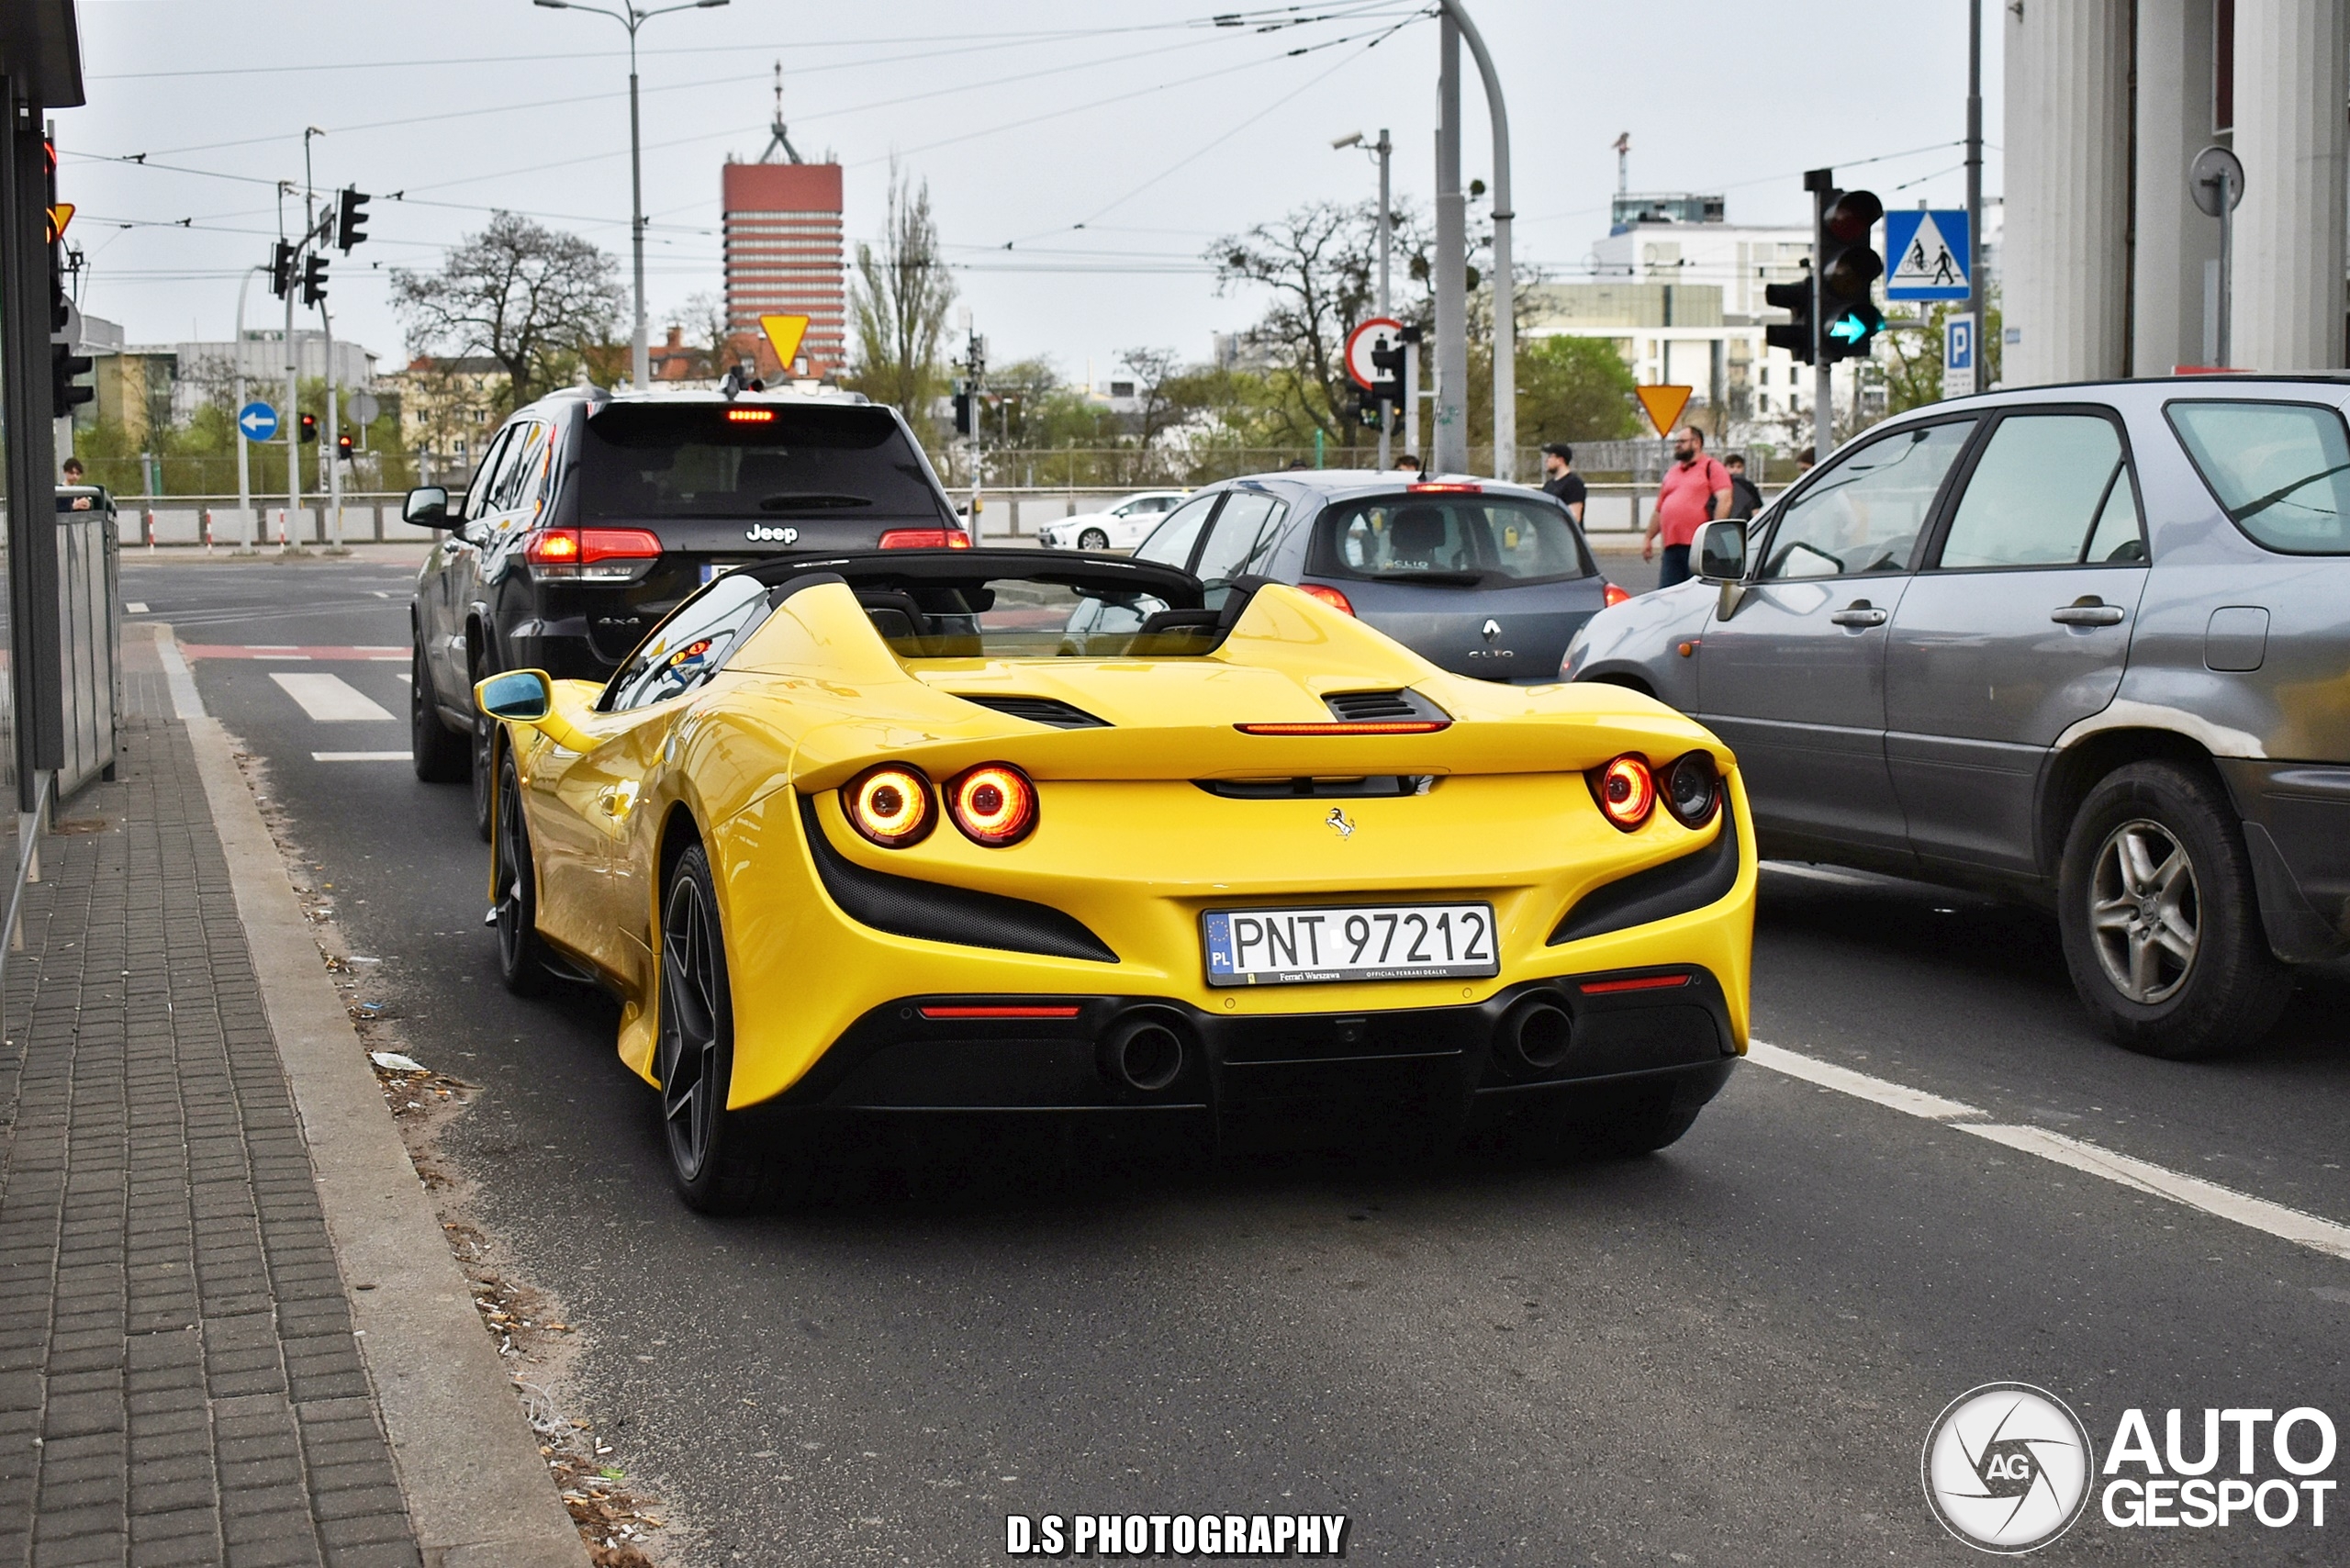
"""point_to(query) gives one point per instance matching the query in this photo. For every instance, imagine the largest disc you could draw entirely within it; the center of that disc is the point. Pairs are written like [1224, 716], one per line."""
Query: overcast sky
[1109, 144]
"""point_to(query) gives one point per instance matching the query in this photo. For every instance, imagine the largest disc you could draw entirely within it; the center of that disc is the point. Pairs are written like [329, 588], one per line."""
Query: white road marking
[330, 699]
[185, 703]
[360, 757]
[408, 677]
[2139, 1175]
[135, 607]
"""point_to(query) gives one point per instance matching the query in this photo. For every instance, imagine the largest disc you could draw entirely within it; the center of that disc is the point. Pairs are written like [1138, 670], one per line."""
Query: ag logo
[2007, 1468]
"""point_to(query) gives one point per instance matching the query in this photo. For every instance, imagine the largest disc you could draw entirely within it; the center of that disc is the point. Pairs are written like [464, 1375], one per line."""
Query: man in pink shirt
[1696, 491]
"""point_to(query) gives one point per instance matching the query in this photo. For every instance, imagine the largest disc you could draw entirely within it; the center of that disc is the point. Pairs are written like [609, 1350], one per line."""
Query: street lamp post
[640, 363]
[1452, 356]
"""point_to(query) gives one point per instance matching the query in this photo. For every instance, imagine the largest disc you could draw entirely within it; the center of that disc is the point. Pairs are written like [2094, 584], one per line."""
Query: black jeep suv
[593, 514]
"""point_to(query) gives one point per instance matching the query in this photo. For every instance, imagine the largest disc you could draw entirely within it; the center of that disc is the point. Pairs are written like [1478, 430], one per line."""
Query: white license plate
[1359, 942]
[712, 569]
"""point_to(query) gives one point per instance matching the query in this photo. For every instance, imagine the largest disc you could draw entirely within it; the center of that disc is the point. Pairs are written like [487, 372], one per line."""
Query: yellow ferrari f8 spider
[985, 830]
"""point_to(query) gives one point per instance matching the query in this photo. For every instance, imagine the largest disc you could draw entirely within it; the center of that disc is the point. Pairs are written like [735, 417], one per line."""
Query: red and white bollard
[147, 520]
[281, 528]
[207, 517]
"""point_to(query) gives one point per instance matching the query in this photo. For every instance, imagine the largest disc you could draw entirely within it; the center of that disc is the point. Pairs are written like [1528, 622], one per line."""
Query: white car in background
[1122, 527]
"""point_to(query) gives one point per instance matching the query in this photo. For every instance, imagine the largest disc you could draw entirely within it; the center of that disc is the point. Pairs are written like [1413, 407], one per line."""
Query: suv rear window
[2280, 470]
[647, 461]
[1447, 538]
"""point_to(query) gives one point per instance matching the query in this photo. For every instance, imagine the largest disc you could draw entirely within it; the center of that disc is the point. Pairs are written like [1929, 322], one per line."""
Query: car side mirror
[525, 696]
[1722, 553]
[428, 507]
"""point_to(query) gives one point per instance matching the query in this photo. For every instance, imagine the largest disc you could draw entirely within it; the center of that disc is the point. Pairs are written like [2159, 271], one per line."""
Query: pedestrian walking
[1745, 499]
[1560, 478]
[1696, 491]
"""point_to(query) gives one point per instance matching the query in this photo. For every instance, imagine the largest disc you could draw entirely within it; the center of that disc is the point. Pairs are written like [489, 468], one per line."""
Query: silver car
[2088, 645]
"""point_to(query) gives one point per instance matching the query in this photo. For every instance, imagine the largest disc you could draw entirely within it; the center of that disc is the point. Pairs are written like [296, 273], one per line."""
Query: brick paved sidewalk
[179, 1382]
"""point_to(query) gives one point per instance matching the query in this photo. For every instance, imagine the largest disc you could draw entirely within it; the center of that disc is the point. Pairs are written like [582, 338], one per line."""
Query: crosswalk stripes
[360, 757]
[330, 699]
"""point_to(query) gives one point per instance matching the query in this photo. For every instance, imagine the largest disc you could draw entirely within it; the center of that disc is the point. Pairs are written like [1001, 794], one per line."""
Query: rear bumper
[1629, 1032]
[2297, 829]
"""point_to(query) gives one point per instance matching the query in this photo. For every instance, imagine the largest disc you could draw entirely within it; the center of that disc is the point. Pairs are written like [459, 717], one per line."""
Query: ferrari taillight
[591, 555]
[924, 539]
[889, 805]
[1693, 790]
[1625, 791]
[994, 804]
[1328, 596]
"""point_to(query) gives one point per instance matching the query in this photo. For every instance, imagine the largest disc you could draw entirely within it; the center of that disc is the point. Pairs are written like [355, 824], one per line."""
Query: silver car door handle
[2086, 615]
[1858, 615]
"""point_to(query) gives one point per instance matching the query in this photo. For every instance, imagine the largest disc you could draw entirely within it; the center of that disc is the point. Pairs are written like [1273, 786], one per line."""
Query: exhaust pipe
[1143, 1053]
[1536, 1037]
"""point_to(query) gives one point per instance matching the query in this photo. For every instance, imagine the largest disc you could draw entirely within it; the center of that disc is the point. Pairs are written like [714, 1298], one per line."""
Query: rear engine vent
[1371, 786]
[1363, 707]
[1040, 710]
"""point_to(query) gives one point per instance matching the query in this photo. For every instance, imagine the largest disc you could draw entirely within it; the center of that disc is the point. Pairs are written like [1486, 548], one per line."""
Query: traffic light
[314, 280]
[350, 219]
[66, 367]
[307, 425]
[1388, 362]
[280, 269]
[1795, 335]
[966, 412]
[1847, 270]
[342, 443]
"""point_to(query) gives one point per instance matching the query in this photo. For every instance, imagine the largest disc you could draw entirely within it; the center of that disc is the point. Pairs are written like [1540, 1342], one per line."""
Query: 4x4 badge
[760, 533]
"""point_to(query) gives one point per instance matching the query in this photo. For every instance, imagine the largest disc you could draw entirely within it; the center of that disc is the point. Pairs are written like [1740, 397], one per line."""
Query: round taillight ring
[1626, 791]
[994, 804]
[1693, 788]
[891, 805]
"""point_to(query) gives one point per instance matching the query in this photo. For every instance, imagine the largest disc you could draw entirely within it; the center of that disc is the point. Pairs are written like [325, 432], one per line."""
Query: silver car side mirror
[1722, 553]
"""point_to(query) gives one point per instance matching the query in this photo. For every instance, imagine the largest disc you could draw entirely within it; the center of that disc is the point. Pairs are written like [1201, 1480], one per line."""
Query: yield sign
[59, 215]
[784, 332]
[1664, 405]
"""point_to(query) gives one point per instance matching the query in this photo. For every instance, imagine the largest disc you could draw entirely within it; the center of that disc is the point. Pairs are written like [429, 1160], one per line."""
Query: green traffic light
[1851, 328]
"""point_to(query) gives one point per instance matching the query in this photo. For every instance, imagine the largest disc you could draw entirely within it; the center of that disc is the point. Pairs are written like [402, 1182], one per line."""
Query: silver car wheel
[2143, 912]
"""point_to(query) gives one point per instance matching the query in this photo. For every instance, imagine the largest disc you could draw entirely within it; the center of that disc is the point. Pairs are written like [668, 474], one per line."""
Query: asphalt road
[1728, 1353]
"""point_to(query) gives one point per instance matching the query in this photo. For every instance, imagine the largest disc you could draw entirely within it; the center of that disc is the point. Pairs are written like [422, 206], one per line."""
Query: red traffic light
[1854, 214]
[308, 424]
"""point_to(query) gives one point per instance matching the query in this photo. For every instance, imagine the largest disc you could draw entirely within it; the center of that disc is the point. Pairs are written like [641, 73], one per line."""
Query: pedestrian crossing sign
[1928, 252]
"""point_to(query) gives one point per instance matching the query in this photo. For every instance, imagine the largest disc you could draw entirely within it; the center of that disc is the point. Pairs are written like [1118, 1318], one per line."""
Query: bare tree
[1320, 264]
[1155, 370]
[533, 299]
[903, 294]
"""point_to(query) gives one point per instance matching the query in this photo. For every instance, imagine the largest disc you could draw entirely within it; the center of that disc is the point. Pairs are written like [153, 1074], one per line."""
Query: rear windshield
[1015, 617]
[2281, 470]
[751, 460]
[1460, 540]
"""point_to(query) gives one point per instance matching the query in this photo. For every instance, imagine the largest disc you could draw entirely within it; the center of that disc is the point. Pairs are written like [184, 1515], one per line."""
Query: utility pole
[329, 446]
[1450, 440]
[1383, 149]
[244, 459]
[1977, 307]
[1504, 291]
[640, 362]
[291, 425]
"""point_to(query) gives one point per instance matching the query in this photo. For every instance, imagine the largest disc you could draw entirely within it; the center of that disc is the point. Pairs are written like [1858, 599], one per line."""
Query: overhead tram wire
[984, 41]
[1208, 147]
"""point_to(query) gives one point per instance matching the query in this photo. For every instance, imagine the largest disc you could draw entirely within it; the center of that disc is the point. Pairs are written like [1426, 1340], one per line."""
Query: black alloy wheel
[522, 956]
[720, 1166]
[485, 747]
[2160, 920]
[1093, 539]
[438, 753]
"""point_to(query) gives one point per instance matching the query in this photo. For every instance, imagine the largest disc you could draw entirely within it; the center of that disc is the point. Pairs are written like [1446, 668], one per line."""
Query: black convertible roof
[1089, 574]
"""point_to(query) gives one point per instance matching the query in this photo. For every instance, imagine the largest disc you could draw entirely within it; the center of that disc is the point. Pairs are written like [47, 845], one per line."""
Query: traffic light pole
[1821, 182]
[1976, 310]
[1386, 255]
[330, 448]
[1449, 440]
[1504, 291]
[291, 425]
[244, 458]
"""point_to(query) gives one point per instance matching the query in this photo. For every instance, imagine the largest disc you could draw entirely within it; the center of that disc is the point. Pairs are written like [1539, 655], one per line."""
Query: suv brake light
[1445, 487]
[924, 539]
[591, 555]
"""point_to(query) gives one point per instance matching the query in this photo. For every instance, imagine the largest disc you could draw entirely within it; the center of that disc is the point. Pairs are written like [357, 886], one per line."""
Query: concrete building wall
[2067, 161]
[2291, 82]
[2175, 257]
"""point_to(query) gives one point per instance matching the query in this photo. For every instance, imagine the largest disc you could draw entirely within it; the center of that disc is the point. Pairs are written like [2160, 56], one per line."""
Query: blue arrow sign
[1925, 254]
[258, 420]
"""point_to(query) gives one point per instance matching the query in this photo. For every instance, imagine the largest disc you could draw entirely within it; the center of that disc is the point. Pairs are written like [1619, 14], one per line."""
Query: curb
[478, 1493]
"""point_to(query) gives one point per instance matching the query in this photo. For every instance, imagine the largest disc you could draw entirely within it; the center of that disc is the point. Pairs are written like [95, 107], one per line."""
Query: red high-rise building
[783, 228]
